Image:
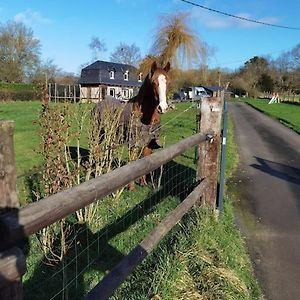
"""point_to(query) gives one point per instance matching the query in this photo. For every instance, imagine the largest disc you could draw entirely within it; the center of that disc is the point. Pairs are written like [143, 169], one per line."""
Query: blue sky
[65, 27]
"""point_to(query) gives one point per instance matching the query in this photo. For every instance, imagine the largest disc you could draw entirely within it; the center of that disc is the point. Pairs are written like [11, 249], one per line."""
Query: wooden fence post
[12, 261]
[208, 153]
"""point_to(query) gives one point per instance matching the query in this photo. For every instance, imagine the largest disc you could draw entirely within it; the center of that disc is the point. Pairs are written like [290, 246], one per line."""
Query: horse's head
[160, 81]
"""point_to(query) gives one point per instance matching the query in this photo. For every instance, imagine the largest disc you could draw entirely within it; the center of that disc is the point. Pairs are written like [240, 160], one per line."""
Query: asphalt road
[267, 189]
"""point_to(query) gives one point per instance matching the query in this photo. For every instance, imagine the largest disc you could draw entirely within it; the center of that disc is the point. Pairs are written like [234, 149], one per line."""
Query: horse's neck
[145, 104]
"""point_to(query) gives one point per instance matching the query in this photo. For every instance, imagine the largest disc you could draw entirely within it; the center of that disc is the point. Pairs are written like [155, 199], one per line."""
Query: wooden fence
[63, 93]
[16, 224]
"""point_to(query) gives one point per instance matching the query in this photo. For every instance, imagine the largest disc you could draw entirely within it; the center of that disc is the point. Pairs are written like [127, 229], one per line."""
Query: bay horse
[150, 101]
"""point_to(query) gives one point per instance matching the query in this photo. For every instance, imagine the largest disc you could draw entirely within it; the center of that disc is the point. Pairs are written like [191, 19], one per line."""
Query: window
[126, 93]
[126, 75]
[112, 74]
[140, 77]
[112, 92]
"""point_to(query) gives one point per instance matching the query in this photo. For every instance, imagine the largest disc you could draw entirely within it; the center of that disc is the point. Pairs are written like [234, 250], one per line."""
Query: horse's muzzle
[162, 110]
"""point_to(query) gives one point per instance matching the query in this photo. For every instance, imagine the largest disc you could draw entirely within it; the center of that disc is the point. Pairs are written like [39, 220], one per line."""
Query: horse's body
[136, 133]
[145, 108]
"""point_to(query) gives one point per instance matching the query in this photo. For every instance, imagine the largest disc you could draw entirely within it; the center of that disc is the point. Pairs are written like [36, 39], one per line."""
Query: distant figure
[182, 95]
[274, 99]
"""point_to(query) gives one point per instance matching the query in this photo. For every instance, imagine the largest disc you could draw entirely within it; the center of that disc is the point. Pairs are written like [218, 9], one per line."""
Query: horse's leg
[132, 156]
[146, 152]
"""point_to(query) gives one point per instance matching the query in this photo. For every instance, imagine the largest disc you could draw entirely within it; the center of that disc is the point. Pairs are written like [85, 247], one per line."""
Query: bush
[18, 92]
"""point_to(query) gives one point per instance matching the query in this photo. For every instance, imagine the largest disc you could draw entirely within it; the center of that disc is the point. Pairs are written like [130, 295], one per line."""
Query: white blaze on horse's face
[162, 93]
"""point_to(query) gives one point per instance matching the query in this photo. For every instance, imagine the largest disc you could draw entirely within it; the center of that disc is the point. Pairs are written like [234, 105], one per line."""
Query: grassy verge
[286, 113]
[202, 258]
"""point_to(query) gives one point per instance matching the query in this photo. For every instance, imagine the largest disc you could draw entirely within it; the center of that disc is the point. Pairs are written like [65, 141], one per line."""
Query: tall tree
[126, 54]
[295, 56]
[19, 52]
[252, 72]
[46, 72]
[176, 42]
[97, 46]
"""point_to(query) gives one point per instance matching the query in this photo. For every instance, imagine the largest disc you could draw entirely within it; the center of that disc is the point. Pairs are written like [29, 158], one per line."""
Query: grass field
[202, 258]
[286, 113]
[26, 139]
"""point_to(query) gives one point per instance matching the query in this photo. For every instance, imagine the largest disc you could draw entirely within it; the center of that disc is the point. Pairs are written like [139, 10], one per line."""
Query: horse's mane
[144, 102]
[140, 96]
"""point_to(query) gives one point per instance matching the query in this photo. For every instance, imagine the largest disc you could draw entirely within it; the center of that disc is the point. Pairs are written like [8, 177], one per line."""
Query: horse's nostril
[159, 109]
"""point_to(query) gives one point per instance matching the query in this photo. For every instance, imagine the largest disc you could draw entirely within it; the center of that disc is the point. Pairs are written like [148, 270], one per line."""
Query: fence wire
[70, 258]
[119, 223]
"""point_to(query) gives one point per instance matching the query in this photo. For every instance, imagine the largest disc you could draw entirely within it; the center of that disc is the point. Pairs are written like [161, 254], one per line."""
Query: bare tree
[126, 54]
[97, 46]
[19, 52]
[45, 73]
[176, 42]
[295, 55]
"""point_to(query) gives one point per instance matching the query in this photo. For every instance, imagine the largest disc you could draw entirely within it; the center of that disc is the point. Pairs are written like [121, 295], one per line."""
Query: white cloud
[30, 17]
[214, 20]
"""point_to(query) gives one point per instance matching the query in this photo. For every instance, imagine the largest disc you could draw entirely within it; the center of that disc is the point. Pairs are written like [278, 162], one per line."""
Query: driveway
[267, 189]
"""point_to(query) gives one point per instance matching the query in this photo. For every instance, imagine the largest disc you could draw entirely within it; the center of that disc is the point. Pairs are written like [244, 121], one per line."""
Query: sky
[65, 28]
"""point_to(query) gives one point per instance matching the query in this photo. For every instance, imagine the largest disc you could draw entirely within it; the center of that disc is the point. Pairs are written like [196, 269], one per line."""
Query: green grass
[26, 139]
[201, 257]
[286, 113]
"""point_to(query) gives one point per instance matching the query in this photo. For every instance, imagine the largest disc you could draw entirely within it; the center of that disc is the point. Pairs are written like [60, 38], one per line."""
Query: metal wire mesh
[120, 223]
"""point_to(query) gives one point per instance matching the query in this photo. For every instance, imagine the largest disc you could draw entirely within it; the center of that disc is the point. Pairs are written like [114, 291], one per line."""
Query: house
[213, 90]
[103, 78]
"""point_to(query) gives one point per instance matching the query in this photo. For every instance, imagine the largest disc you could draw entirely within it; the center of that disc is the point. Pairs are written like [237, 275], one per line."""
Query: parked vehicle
[193, 93]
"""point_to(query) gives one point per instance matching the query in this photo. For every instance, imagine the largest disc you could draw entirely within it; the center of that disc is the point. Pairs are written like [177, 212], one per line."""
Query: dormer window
[140, 77]
[126, 75]
[111, 74]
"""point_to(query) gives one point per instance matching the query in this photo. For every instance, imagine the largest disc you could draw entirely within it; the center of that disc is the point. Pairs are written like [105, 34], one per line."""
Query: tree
[176, 42]
[295, 57]
[287, 70]
[126, 54]
[252, 72]
[256, 65]
[19, 52]
[97, 47]
[266, 83]
[46, 72]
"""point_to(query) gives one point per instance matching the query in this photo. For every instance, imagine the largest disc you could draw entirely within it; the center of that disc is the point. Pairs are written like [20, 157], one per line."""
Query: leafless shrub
[110, 144]
[57, 175]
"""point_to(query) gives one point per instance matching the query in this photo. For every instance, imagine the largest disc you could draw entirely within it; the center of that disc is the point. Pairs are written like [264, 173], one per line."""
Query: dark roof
[98, 73]
[214, 88]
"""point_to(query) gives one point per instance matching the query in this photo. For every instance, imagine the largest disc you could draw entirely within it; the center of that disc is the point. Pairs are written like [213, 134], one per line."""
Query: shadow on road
[278, 170]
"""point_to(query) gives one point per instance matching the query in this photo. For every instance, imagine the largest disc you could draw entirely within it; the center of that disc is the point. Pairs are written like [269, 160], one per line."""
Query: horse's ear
[167, 67]
[153, 67]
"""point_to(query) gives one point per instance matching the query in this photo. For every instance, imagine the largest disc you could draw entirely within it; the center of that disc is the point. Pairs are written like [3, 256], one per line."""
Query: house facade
[103, 78]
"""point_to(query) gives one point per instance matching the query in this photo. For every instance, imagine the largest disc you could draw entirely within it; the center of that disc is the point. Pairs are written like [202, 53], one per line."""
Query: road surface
[267, 189]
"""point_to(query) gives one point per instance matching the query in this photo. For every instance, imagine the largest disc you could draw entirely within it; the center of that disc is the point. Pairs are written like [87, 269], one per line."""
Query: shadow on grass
[90, 255]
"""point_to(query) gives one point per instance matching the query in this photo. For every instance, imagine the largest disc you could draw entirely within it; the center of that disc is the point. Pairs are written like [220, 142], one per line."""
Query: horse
[146, 107]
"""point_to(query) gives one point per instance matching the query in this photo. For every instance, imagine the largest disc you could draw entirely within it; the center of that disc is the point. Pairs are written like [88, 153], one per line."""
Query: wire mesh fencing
[120, 221]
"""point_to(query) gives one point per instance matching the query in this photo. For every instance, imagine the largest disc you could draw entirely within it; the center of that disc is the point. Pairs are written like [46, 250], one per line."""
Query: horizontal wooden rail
[114, 279]
[47, 211]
